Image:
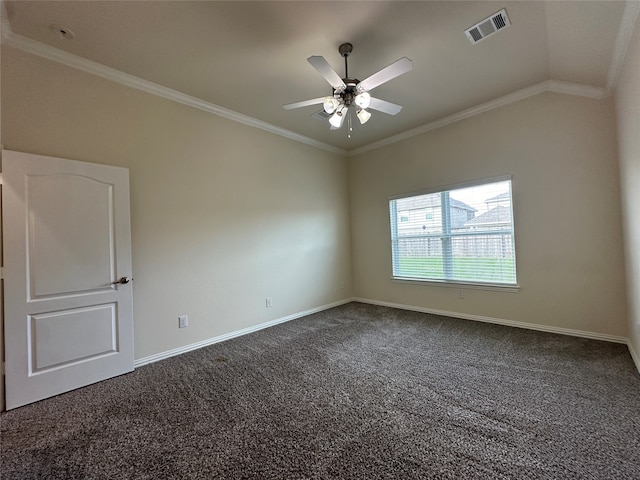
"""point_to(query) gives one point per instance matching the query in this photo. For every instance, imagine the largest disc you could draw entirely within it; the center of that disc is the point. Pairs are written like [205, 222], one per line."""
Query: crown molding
[625, 32]
[578, 89]
[546, 86]
[456, 117]
[74, 61]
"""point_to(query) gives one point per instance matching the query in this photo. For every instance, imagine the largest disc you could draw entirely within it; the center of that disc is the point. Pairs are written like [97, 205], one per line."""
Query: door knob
[122, 281]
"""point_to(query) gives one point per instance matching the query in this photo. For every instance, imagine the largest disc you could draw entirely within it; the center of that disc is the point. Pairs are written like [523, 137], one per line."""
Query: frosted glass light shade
[336, 120]
[330, 104]
[363, 100]
[363, 116]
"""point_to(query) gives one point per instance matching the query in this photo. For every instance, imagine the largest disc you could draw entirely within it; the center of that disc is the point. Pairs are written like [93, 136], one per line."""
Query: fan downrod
[345, 50]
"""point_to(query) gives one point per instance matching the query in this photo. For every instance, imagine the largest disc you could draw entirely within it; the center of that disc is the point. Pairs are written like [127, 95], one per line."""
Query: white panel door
[67, 268]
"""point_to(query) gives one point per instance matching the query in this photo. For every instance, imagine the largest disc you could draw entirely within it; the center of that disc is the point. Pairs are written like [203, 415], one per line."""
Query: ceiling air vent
[488, 26]
[321, 115]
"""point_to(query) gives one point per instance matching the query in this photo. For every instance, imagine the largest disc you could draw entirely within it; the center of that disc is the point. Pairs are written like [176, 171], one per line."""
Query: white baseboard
[228, 336]
[634, 355]
[501, 321]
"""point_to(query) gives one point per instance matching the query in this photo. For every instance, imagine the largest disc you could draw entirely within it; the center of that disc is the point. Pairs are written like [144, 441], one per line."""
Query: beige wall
[223, 215]
[561, 151]
[627, 98]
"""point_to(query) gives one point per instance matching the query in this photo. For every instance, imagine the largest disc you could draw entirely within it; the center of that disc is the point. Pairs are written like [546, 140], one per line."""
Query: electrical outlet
[461, 294]
[268, 303]
[183, 321]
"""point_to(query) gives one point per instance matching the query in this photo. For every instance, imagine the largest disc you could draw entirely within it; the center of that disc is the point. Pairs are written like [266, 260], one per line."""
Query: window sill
[455, 284]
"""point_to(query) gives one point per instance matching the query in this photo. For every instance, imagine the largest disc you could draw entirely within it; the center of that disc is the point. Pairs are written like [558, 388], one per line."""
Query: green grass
[491, 270]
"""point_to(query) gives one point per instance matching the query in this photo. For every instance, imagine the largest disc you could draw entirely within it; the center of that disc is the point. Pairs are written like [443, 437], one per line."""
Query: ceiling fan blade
[324, 69]
[304, 103]
[384, 106]
[394, 70]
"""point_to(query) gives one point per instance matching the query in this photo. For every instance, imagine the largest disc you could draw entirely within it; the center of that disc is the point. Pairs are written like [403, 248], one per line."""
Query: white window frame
[395, 260]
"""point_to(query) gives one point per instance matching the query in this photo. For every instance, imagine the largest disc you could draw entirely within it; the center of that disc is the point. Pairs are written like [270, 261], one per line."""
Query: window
[466, 235]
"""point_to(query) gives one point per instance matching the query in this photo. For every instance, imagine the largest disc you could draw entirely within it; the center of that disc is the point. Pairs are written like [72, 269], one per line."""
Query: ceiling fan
[351, 92]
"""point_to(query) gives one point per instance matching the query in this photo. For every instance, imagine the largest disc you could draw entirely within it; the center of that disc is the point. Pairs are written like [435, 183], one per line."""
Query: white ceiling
[250, 57]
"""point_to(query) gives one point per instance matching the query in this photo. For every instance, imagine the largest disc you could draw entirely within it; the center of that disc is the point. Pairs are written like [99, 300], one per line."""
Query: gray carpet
[358, 391]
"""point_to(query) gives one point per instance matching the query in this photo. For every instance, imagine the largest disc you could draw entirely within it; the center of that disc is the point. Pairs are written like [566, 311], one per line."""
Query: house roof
[457, 203]
[498, 214]
[502, 196]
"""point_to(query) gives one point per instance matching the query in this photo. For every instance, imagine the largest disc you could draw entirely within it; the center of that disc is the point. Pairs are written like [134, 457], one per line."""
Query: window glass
[462, 235]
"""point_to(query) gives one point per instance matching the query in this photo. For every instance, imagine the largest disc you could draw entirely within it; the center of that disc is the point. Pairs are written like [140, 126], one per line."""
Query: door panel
[62, 260]
[59, 338]
[68, 322]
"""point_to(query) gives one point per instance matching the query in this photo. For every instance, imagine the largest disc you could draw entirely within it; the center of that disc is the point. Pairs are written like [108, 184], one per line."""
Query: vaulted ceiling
[250, 57]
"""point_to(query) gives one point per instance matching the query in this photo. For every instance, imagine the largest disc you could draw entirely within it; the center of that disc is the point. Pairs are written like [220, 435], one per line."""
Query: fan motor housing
[348, 95]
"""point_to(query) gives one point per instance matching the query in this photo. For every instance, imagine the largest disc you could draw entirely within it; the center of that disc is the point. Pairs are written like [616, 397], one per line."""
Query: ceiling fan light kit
[330, 104]
[363, 116]
[337, 119]
[363, 100]
[351, 92]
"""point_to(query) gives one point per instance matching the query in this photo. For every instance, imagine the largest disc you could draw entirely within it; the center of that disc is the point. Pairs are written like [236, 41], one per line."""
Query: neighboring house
[501, 200]
[490, 245]
[419, 216]
[424, 214]
[498, 218]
